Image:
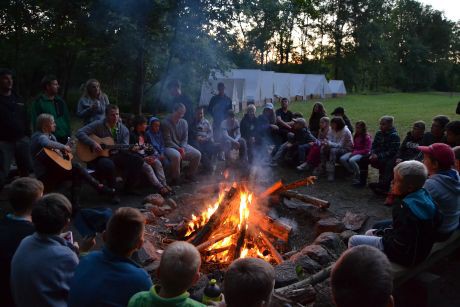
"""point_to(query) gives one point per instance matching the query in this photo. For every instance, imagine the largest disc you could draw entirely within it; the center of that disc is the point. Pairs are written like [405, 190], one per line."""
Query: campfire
[236, 226]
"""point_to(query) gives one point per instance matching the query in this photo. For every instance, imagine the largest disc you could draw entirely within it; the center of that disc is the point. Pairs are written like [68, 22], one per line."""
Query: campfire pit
[236, 225]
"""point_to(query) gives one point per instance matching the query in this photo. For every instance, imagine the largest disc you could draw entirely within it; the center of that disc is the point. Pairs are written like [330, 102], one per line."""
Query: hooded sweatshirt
[444, 188]
[156, 139]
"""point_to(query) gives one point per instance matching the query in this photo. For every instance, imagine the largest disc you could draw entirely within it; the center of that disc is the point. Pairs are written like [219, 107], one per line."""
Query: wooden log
[215, 219]
[273, 251]
[269, 225]
[240, 242]
[216, 239]
[217, 250]
[303, 285]
[275, 187]
[299, 183]
[322, 204]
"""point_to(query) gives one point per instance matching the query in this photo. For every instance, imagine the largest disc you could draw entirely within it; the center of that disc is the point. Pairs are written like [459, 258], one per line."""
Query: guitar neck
[117, 146]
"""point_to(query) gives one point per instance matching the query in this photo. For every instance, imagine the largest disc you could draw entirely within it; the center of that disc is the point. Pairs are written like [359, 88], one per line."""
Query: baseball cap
[338, 110]
[268, 105]
[440, 152]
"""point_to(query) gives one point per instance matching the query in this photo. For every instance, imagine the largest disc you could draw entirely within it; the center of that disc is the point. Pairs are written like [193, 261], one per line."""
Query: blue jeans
[350, 162]
[367, 239]
[303, 152]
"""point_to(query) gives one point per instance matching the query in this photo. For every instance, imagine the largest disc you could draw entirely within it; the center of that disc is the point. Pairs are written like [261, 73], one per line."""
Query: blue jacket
[156, 139]
[105, 279]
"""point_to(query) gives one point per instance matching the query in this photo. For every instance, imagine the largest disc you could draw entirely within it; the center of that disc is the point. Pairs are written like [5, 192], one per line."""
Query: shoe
[303, 167]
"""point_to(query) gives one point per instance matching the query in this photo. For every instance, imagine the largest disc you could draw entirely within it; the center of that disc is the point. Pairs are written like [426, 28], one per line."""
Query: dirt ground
[438, 288]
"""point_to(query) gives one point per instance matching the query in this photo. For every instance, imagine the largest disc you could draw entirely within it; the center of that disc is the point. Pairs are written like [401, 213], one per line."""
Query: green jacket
[151, 298]
[56, 107]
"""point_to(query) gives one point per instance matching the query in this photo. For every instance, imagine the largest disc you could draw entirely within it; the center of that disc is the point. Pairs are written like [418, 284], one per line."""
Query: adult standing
[14, 129]
[92, 103]
[218, 108]
[175, 90]
[49, 102]
[175, 133]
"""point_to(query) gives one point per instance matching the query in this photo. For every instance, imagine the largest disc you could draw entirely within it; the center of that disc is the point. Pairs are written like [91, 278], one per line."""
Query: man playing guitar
[125, 160]
[49, 172]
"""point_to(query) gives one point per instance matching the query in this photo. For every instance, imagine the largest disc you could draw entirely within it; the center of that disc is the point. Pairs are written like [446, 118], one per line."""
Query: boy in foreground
[179, 270]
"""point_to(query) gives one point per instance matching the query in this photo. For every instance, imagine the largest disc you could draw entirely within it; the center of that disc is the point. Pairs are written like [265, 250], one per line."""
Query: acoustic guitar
[86, 153]
[59, 157]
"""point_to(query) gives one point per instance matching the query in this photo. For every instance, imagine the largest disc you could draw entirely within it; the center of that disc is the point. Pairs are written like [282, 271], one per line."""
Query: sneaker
[303, 167]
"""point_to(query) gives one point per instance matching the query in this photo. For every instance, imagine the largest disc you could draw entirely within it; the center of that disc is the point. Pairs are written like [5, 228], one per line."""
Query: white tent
[266, 86]
[281, 85]
[209, 89]
[297, 86]
[252, 78]
[337, 87]
[316, 86]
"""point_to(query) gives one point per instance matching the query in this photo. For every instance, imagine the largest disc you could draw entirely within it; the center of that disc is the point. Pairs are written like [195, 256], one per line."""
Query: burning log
[299, 183]
[322, 204]
[216, 239]
[274, 252]
[275, 187]
[215, 219]
[240, 242]
[218, 250]
[269, 225]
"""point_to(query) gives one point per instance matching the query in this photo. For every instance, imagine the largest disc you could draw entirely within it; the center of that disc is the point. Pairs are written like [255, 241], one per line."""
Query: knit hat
[268, 105]
[440, 152]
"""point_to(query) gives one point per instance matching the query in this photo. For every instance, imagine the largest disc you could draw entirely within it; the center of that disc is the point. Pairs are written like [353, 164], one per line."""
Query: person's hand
[97, 147]
[182, 152]
[289, 145]
[398, 161]
[373, 157]
[86, 244]
[236, 145]
[67, 149]
[252, 139]
[149, 160]
[274, 127]
[311, 143]
[94, 106]
[136, 148]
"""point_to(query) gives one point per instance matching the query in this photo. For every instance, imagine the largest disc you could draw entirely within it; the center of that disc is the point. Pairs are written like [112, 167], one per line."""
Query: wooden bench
[439, 251]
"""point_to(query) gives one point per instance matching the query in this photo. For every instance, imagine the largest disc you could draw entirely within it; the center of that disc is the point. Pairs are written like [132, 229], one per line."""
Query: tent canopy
[209, 89]
[317, 86]
[337, 87]
[281, 84]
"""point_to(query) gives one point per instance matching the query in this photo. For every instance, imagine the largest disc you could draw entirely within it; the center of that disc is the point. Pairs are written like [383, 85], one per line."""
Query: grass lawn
[405, 107]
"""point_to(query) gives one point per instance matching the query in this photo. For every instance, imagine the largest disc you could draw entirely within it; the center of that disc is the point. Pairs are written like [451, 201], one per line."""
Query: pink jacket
[362, 146]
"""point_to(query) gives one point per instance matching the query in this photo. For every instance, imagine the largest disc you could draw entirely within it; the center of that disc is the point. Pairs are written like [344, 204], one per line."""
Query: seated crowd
[41, 265]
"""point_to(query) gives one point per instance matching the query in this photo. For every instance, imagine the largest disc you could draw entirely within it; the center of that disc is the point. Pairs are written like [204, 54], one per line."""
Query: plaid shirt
[386, 144]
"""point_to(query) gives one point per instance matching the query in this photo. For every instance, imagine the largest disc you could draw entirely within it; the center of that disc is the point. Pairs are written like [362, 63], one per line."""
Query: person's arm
[366, 147]
[403, 148]
[375, 143]
[84, 108]
[184, 142]
[210, 133]
[393, 148]
[84, 132]
[46, 142]
[225, 134]
[237, 131]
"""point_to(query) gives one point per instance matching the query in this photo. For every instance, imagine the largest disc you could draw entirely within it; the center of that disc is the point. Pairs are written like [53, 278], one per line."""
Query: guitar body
[63, 160]
[86, 154]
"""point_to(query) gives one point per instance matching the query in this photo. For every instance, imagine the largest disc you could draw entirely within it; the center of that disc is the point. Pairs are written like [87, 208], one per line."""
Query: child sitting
[409, 239]
[299, 137]
[309, 155]
[231, 137]
[443, 185]
[249, 282]
[23, 193]
[362, 277]
[408, 149]
[179, 270]
[152, 167]
[361, 146]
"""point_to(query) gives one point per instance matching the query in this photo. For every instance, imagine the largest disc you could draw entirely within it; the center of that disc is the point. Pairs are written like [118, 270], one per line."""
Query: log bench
[439, 251]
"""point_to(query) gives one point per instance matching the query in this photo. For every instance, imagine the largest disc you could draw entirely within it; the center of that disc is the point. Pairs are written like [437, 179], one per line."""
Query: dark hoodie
[386, 144]
[444, 188]
[412, 235]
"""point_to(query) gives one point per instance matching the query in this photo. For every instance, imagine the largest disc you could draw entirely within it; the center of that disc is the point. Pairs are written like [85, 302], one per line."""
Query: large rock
[332, 242]
[146, 254]
[308, 265]
[330, 224]
[154, 199]
[315, 252]
[323, 295]
[285, 274]
[354, 221]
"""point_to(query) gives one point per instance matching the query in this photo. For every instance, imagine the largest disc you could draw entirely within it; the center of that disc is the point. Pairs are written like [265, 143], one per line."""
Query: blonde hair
[42, 119]
[413, 173]
[251, 107]
[179, 265]
[124, 230]
[87, 85]
[325, 119]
